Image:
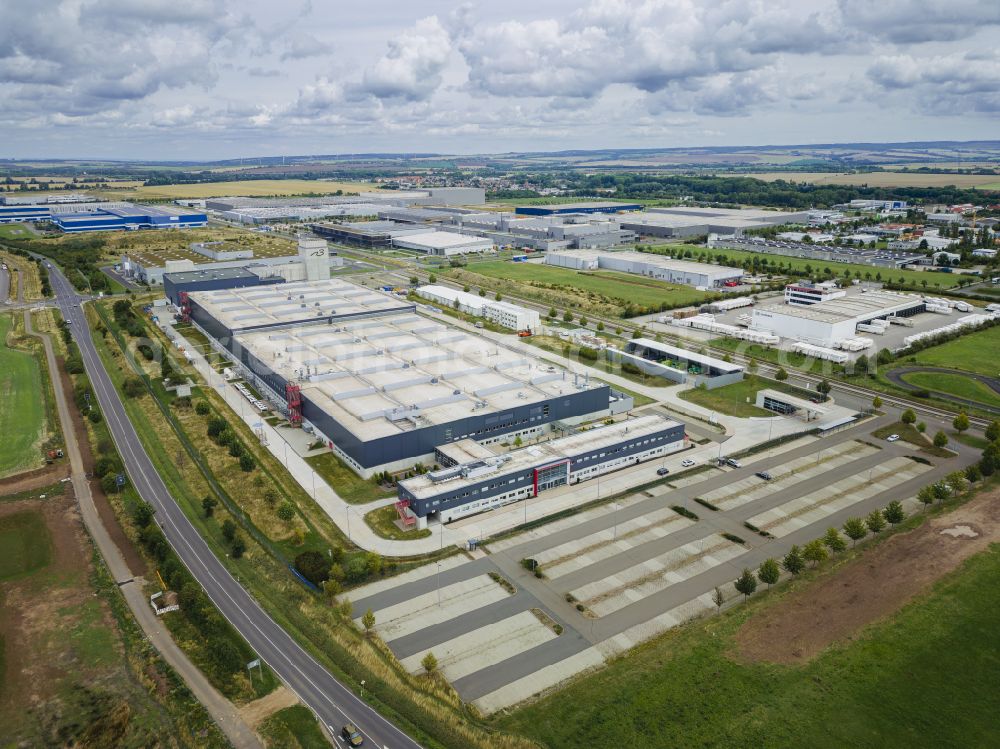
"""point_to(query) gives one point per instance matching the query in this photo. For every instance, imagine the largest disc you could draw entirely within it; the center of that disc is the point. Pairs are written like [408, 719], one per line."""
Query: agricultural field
[74, 668]
[841, 657]
[884, 179]
[249, 188]
[22, 411]
[604, 292]
[796, 265]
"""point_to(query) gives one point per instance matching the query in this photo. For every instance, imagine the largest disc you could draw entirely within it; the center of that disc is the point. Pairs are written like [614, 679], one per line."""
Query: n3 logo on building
[318, 253]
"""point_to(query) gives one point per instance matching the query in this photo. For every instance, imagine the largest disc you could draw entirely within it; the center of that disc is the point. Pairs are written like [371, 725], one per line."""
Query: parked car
[351, 736]
[662, 471]
[892, 438]
[687, 463]
[733, 463]
[763, 475]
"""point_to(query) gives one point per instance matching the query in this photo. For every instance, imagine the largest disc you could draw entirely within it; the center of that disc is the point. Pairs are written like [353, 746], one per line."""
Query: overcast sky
[203, 79]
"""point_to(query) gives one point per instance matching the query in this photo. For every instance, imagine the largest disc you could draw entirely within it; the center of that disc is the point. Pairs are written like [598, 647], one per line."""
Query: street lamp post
[348, 509]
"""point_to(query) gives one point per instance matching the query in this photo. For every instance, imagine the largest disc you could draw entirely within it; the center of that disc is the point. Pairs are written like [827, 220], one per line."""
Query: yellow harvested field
[883, 179]
[250, 188]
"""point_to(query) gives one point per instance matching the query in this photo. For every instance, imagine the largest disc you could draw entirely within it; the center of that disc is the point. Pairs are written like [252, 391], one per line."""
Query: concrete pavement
[221, 709]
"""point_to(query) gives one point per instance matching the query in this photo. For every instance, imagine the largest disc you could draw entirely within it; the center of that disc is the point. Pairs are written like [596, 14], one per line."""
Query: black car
[350, 735]
[763, 475]
[662, 471]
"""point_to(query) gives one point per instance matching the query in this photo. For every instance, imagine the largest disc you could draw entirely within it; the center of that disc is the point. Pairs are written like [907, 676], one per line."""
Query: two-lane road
[333, 703]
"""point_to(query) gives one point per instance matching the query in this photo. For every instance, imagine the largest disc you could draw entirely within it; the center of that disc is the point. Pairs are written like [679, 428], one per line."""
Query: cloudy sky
[182, 79]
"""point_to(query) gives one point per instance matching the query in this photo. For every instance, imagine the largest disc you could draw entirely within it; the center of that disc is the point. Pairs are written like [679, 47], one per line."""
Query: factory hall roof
[385, 375]
[288, 303]
[846, 308]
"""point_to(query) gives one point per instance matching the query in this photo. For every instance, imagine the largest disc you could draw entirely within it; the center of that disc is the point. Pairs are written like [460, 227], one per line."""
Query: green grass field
[383, 522]
[294, 728]
[14, 231]
[922, 678]
[25, 544]
[623, 288]
[955, 384]
[975, 352]
[22, 413]
[736, 399]
[798, 265]
[351, 487]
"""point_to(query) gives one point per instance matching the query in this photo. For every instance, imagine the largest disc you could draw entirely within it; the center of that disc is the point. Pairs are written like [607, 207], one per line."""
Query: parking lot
[617, 574]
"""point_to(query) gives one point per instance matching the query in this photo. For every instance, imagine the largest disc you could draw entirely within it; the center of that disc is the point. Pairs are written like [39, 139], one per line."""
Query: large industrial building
[382, 386]
[77, 216]
[370, 234]
[586, 207]
[475, 479]
[507, 315]
[684, 221]
[659, 267]
[828, 323]
[443, 243]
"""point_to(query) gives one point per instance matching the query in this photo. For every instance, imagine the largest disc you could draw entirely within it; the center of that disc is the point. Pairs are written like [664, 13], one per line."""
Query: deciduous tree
[815, 552]
[746, 583]
[768, 572]
[875, 522]
[834, 541]
[855, 529]
[793, 561]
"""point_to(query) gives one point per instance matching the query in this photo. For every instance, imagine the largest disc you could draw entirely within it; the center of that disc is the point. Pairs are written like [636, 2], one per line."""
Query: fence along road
[333, 703]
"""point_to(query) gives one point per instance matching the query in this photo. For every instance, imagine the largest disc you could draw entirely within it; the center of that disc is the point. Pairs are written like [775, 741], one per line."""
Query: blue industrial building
[129, 217]
[563, 208]
[331, 354]
[102, 216]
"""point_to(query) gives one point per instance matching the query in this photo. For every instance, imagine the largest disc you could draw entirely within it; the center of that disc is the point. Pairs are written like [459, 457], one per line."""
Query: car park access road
[333, 703]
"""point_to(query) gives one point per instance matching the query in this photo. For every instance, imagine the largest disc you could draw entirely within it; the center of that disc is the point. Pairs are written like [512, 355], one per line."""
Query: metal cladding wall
[111, 222]
[172, 290]
[497, 483]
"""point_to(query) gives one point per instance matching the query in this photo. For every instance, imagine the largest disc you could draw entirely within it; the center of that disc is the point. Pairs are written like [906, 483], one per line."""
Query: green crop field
[798, 265]
[25, 545]
[955, 384]
[921, 678]
[975, 352]
[22, 414]
[624, 288]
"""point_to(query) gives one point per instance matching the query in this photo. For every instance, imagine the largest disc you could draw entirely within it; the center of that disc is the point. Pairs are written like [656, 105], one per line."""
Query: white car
[892, 438]
[687, 463]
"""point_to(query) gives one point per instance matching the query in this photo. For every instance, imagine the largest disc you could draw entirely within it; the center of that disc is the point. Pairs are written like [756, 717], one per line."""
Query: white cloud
[943, 84]
[412, 67]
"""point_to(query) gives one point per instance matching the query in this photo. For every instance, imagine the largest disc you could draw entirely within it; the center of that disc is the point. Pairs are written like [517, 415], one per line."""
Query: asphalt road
[332, 702]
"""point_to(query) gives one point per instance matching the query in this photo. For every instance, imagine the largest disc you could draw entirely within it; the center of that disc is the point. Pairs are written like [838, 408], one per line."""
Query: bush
[313, 566]
[228, 529]
[236, 449]
[247, 463]
[286, 511]
[735, 539]
[202, 408]
[706, 503]
[216, 426]
[133, 387]
[239, 546]
[95, 416]
[683, 511]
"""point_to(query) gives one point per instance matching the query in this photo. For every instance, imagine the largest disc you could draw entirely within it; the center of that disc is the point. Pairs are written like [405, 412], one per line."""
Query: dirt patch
[874, 586]
[36, 660]
[109, 520]
[36, 479]
[256, 712]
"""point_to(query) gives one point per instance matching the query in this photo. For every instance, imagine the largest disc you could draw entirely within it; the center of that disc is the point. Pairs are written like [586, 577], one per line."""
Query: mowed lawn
[22, 415]
[976, 352]
[737, 399]
[924, 678]
[622, 287]
[955, 384]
